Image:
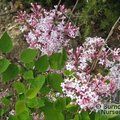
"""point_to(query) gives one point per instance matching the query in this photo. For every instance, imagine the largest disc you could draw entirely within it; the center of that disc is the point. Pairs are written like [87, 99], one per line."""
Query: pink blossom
[86, 87]
[47, 30]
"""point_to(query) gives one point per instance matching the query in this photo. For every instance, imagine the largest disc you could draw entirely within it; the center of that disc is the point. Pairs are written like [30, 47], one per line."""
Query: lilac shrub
[49, 31]
[56, 81]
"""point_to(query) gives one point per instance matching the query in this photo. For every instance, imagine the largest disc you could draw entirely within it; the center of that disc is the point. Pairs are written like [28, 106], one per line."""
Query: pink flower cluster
[47, 30]
[88, 87]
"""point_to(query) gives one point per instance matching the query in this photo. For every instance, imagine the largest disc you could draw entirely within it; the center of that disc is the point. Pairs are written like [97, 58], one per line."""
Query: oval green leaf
[4, 63]
[42, 64]
[19, 87]
[28, 55]
[6, 43]
[36, 86]
[11, 72]
[55, 81]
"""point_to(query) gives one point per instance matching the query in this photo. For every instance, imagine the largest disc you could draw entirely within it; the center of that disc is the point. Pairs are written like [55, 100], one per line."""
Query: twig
[11, 12]
[110, 33]
[19, 63]
[58, 3]
[14, 60]
[74, 6]
[73, 9]
[10, 28]
[69, 17]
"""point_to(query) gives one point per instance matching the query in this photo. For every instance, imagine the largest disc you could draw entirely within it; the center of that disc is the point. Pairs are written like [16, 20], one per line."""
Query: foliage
[98, 14]
[29, 81]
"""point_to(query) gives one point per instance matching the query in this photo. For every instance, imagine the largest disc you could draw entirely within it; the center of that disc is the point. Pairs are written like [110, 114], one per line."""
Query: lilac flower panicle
[47, 30]
[86, 88]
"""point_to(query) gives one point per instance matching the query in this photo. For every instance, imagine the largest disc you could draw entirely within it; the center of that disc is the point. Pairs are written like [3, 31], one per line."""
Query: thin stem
[10, 28]
[74, 6]
[19, 63]
[73, 9]
[15, 60]
[110, 33]
[58, 4]
[11, 12]
[69, 17]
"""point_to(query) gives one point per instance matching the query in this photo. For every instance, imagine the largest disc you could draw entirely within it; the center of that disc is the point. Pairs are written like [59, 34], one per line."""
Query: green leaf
[20, 107]
[57, 60]
[32, 103]
[63, 58]
[76, 117]
[11, 72]
[106, 114]
[115, 118]
[30, 65]
[28, 55]
[92, 115]
[60, 104]
[54, 61]
[42, 64]
[35, 103]
[32, 92]
[24, 115]
[72, 108]
[55, 81]
[13, 118]
[68, 73]
[85, 115]
[41, 103]
[51, 113]
[2, 112]
[36, 86]
[5, 101]
[38, 81]
[6, 43]
[97, 116]
[19, 87]
[22, 96]
[28, 75]
[102, 117]
[45, 90]
[4, 63]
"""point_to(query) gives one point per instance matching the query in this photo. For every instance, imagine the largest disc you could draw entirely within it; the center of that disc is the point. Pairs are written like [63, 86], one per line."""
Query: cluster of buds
[48, 31]
[89, 87]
